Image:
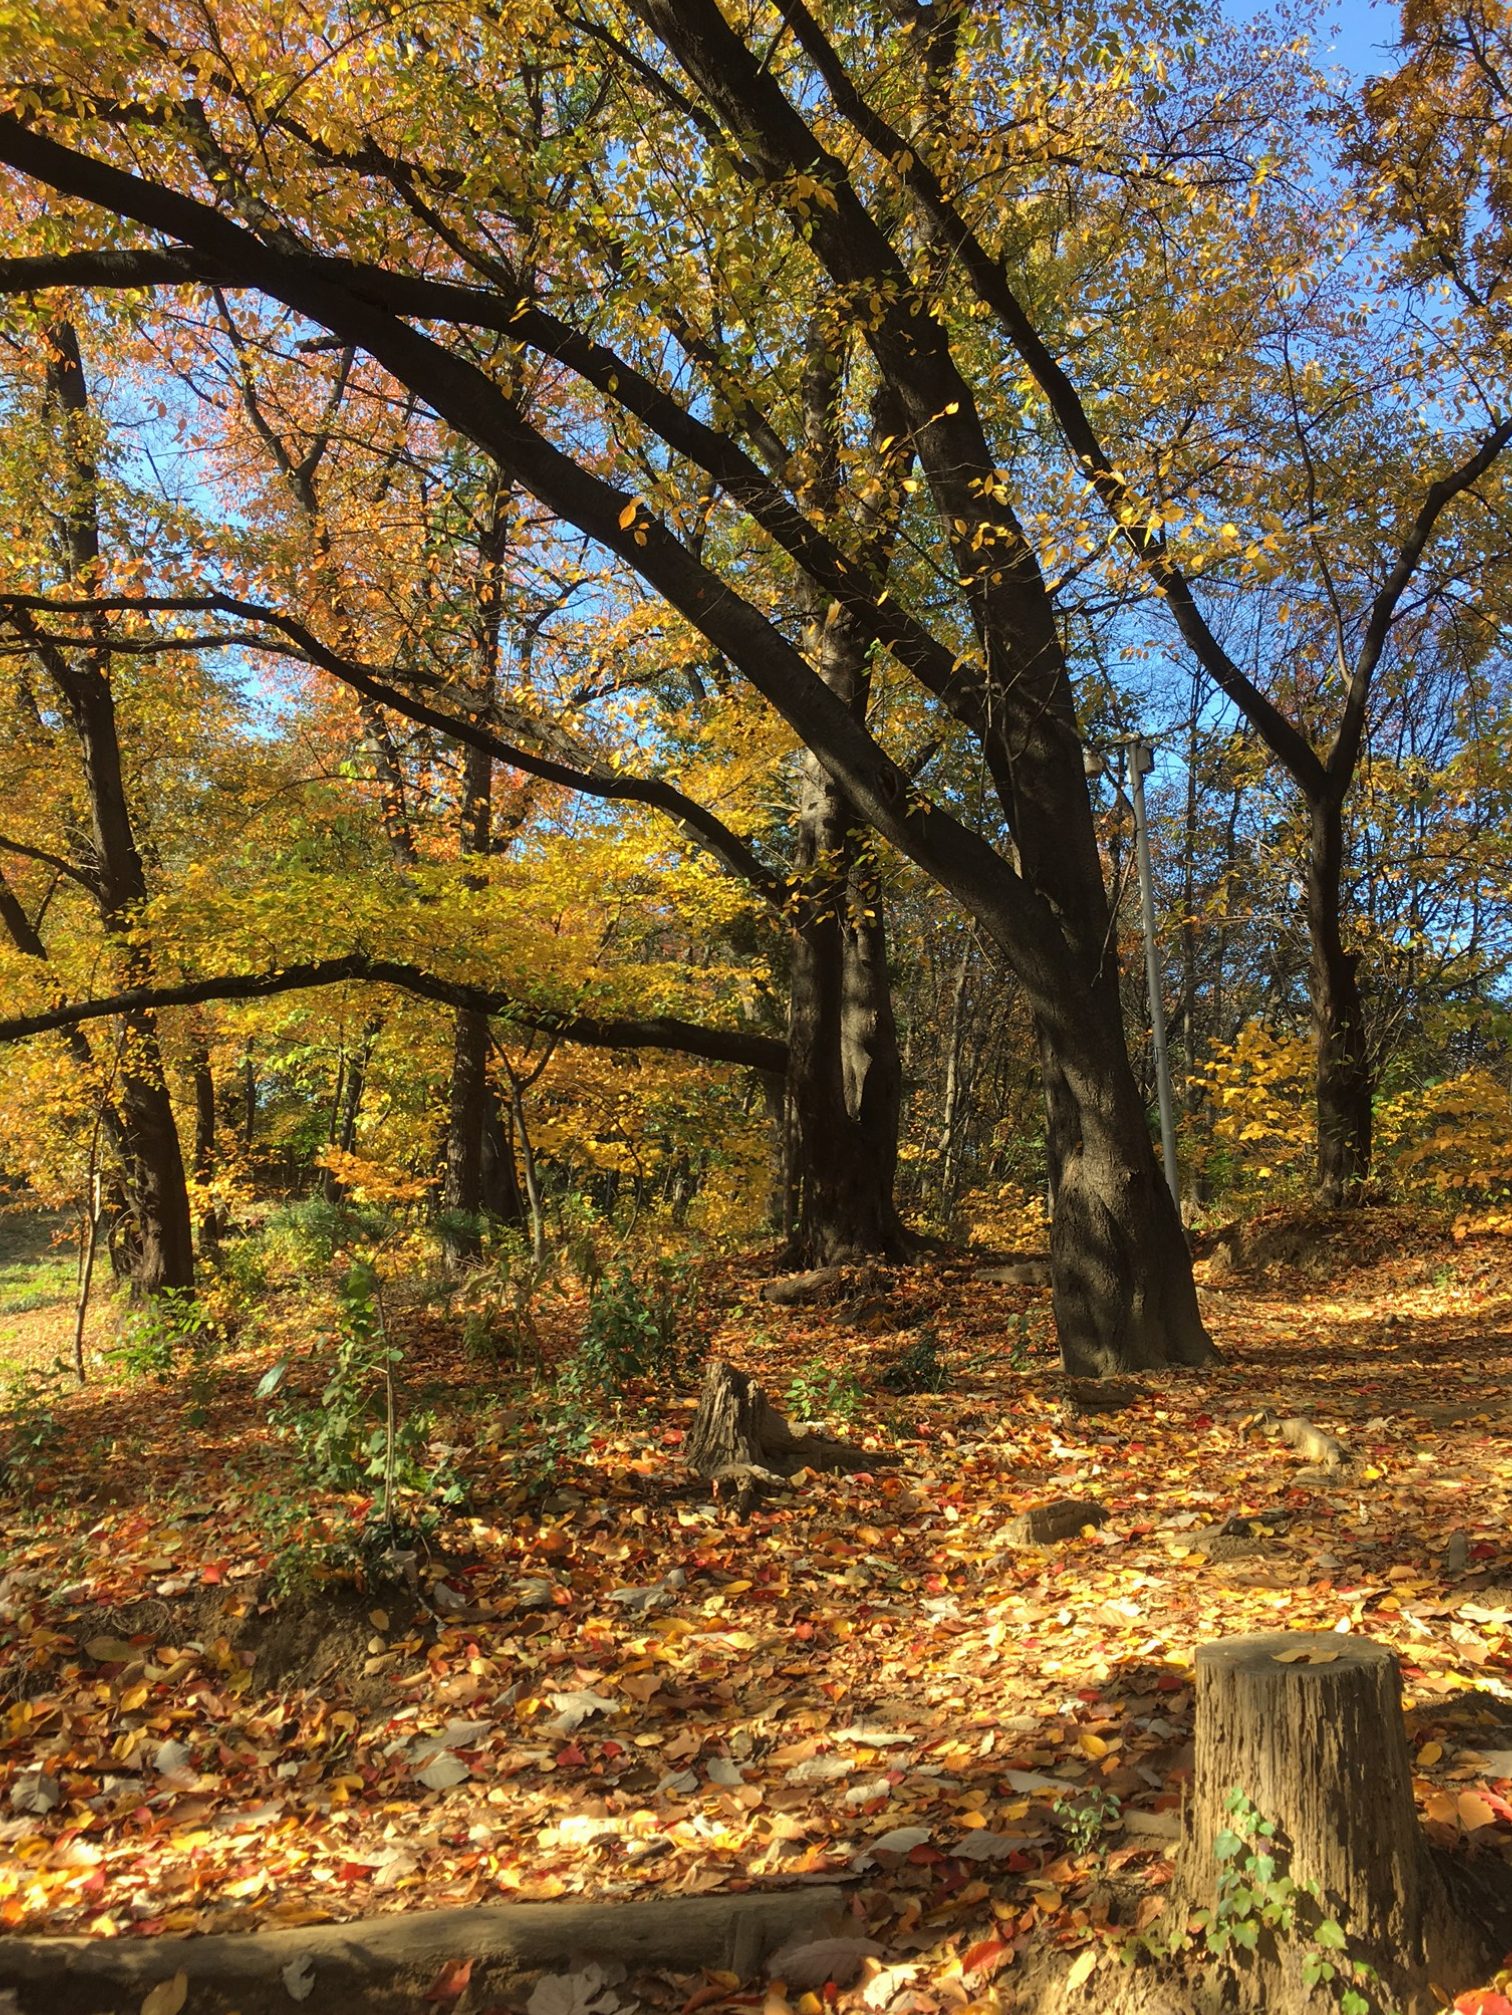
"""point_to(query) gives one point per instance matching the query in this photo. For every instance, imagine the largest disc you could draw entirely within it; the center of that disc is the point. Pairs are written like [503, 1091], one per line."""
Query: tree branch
[701, 824]
[666, 1032]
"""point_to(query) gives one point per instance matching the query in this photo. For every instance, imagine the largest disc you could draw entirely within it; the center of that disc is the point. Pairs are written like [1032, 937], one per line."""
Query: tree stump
[739, 1438]
[735, 1423]
[1308, 1726]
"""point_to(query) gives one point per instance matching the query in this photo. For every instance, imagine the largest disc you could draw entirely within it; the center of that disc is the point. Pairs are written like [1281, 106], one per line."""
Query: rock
[1047, 1523]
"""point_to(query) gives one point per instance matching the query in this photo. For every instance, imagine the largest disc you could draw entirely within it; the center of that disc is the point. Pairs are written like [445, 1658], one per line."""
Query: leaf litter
[859, 1683]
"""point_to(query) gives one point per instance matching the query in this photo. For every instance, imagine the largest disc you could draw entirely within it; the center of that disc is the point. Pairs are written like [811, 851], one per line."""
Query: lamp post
[1141, 754]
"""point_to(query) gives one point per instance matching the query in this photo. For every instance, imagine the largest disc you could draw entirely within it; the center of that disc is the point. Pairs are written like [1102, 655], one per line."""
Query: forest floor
[624, 1689]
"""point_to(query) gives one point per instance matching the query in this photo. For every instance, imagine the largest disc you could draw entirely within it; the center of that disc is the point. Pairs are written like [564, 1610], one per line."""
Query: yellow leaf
[1086, 1959]
[1429, 1754]
[627, 516]
[110, 1650]
[168, 1997]
[1474, 1812]
[1091, 1745]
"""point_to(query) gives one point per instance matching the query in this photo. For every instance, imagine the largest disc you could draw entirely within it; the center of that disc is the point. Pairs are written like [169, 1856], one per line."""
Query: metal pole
[1141, 761]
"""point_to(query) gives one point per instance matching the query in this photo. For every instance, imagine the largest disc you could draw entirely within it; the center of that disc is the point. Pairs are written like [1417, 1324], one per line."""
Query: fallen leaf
[168, 1997]
[451, 1982]
[1082, 1967]
[299, 1977]
[817, 1962]
[1473, 1811]
[586, 1992]
[445, 1771]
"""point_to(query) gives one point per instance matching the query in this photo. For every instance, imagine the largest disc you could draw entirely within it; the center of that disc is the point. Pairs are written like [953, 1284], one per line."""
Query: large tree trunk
[845, 1079]
[159, 1235]
[844, 1076]
[1344, 1080]
[1306, 1727]
[466, 1117]
[159, 1232]
[1122, 1271]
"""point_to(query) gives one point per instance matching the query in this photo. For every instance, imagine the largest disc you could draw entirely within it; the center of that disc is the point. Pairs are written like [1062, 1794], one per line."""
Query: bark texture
[1318, 1745]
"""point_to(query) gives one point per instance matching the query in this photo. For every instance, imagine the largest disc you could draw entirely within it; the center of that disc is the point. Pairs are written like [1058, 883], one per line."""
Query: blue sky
[1354, 32]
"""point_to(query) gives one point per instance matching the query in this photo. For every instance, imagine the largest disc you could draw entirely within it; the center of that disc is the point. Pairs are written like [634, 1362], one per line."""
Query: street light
[1141, 754]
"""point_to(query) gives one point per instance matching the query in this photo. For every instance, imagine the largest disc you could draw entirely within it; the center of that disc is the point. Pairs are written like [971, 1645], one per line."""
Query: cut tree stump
[739, 1438]
[1308, 1726]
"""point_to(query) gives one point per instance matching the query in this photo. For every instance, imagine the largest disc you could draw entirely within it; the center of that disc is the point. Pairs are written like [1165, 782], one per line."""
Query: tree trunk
[844, 1076]
[502, 1193]
[466, 1116]
[845, 1079]
[1123, 1292]
[1344, 1080]
[159, 1236]
[1307, 1727]
[204, 1144]
[159, 1233]
[468, 1092]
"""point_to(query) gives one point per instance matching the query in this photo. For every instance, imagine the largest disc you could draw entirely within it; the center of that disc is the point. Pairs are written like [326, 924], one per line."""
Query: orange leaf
[987, 1956]
[1474, 1812]
[451, 1981]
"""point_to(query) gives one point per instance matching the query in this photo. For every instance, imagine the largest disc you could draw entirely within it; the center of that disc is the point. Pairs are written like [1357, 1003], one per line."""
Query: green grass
[35, 1273]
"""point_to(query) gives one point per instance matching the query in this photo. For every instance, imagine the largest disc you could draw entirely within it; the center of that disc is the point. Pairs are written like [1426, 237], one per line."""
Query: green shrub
[822, 1391]
[356, 1436]
[304, 1238]
[639, 1326]
[155, 1338]
[31, 1428]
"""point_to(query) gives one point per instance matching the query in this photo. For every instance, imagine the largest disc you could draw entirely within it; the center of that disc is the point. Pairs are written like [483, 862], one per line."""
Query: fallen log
[383, 1964]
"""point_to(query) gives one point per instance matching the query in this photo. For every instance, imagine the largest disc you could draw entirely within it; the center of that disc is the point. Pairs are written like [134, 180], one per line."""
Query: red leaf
[450, 1981]
[987, 1957]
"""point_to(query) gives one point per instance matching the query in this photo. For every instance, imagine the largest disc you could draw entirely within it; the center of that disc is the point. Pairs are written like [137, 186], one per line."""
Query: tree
[107, 860]
[745, 148]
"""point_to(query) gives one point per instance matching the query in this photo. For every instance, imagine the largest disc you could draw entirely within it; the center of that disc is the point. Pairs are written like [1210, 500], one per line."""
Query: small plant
[639, 1326]
[30, 1424]
[355, 1437]
[824, 1391]
[918, 1367]
[1255, 1895]
[1084, 1818]
[173, 1325]
[540, 1449]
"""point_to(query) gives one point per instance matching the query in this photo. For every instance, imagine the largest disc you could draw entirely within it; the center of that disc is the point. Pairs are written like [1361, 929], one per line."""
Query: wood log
[1308, 1727]
[1046, 1524]
[388, 1963]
